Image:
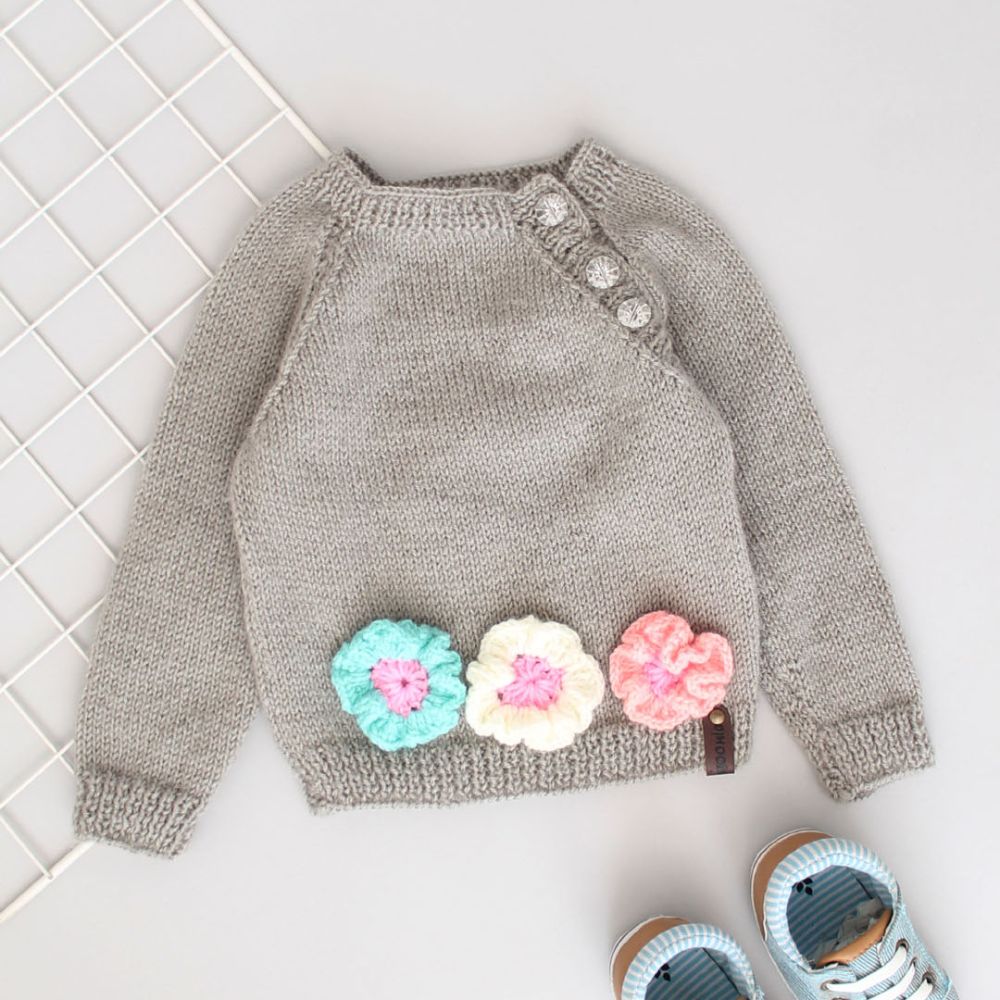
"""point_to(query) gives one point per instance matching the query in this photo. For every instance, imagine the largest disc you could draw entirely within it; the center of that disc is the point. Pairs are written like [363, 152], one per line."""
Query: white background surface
[852, 150]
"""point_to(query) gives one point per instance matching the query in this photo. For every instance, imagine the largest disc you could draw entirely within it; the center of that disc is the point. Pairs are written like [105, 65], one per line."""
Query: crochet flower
[665, 674]
[401, 681]
[533, 683]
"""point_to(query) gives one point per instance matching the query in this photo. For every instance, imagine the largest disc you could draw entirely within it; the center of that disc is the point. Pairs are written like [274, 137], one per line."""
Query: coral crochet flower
[533, 683]
[401, 681]
[665, 674]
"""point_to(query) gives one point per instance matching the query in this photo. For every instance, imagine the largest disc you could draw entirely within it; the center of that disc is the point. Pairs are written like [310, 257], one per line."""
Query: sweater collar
[588, 171]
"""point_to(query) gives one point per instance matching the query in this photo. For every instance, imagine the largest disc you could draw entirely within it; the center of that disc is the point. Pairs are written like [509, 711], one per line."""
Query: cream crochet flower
[533, 683]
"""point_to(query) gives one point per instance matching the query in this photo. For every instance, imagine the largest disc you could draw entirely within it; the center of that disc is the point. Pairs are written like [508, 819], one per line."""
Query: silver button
[634, 313]
[603, 272]
[551, 209]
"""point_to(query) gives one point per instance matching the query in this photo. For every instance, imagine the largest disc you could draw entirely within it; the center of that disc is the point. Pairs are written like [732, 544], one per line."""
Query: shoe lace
[881, 975]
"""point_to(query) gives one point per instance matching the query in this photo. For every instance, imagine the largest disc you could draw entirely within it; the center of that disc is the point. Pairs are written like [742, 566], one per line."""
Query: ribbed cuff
[857, 755]
[134, 812]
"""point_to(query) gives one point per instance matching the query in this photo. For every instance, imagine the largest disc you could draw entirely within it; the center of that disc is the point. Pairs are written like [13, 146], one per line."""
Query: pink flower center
[661, 680]
[536, 683]
[403, 684]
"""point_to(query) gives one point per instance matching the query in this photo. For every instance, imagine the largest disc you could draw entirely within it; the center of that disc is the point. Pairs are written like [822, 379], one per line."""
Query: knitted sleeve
[169, 691]
[835, 665]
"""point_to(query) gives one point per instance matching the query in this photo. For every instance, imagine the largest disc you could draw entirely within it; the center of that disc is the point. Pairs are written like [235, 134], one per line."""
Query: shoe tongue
[861, 930]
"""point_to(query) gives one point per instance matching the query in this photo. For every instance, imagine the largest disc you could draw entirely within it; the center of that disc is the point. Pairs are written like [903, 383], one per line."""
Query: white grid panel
[135, 142]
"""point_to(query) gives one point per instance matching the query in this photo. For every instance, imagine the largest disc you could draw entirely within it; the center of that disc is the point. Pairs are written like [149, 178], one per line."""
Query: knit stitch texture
[407, 401]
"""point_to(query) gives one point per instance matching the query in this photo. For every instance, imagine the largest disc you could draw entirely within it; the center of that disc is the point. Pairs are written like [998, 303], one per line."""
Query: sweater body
[554, 391]
[466, 436]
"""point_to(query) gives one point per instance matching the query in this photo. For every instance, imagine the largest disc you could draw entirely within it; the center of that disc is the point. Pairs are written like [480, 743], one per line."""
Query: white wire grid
[135, 141]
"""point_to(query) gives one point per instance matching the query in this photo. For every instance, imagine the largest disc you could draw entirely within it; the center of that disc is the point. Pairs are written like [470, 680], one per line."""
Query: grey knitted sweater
[552, 397]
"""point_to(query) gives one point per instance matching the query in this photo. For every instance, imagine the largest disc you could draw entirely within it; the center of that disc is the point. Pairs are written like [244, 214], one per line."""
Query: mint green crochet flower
[401, 681]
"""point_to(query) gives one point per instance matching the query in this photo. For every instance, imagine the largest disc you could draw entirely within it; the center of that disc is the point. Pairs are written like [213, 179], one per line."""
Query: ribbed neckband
[478, 199]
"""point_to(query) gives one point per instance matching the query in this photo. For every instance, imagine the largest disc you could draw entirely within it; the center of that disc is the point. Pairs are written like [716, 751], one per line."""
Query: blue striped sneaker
[835, 924]
[667, 958]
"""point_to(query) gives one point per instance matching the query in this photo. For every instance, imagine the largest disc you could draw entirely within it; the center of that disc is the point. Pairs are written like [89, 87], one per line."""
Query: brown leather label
[717, 728]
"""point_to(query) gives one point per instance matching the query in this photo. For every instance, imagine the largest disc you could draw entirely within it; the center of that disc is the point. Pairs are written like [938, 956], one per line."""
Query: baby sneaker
[835, 924]
[667, 958]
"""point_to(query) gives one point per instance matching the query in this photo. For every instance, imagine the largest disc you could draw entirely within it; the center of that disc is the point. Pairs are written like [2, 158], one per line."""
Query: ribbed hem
[134, 812]
[341, 774]
[857, 755]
